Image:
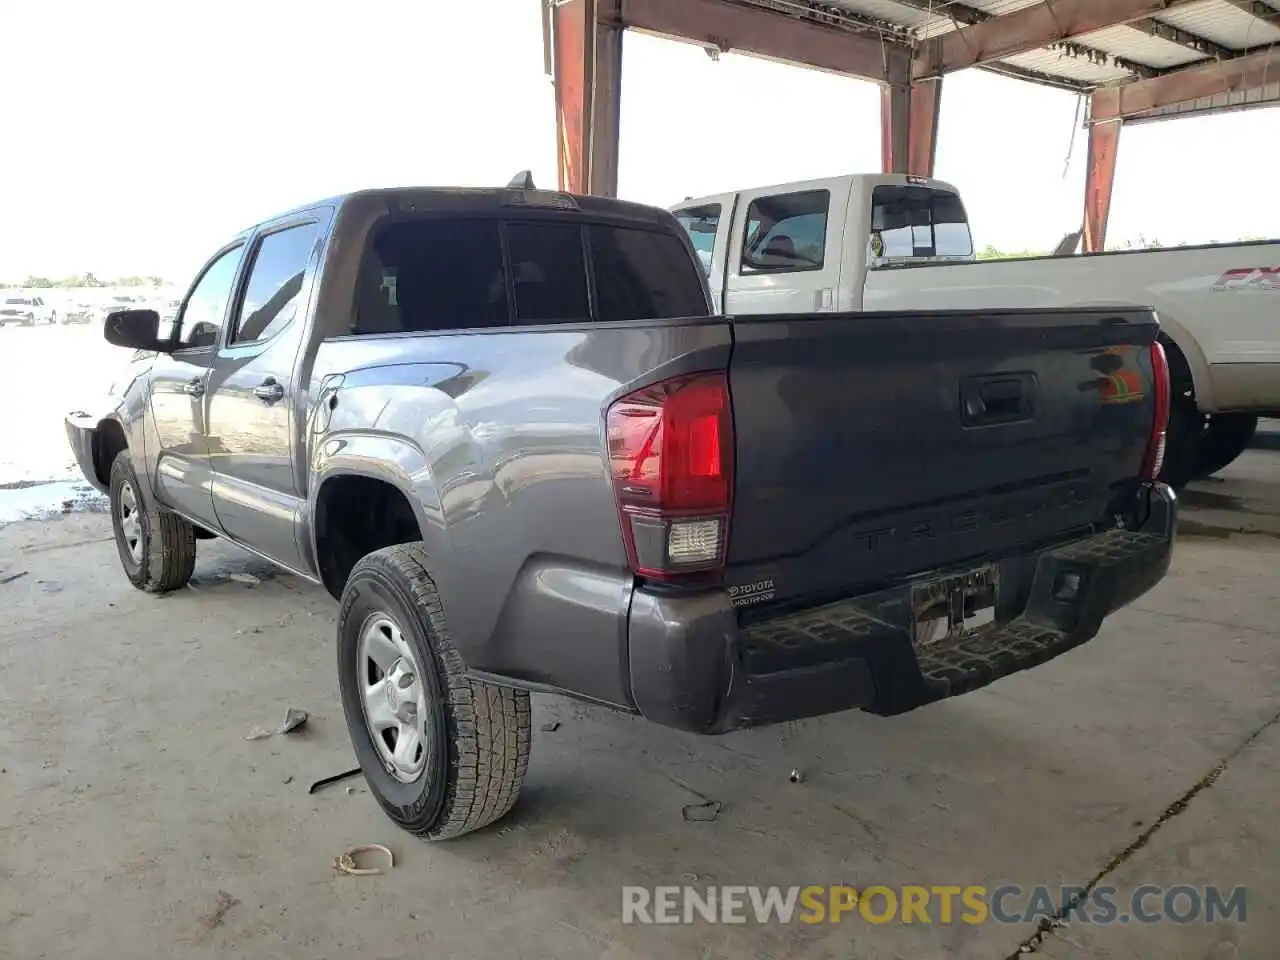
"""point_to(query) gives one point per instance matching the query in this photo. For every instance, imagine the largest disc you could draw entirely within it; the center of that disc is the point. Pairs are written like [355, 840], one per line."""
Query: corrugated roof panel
[886, 10]
[1222, 23]
[1139, 47]
[1058, 64]
[998, 7]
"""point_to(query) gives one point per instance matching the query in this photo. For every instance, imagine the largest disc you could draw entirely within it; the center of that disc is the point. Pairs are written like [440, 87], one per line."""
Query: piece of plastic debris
[796, 776]
[10, 577]
[295, 718]
[330, 781]
[244, 578]
[701, 812]
[346, 862]
[551, 726]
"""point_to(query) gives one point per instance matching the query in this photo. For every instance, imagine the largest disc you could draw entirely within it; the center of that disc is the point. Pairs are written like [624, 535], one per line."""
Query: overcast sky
[143, 133]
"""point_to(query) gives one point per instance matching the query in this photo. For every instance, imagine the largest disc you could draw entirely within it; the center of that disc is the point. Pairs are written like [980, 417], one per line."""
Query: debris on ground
[796, 776]
[352, 791]
[294, 719]
[551, 726]
[701, 812]
[217, 913]
[330, 781]
[248, 578]
[10, 577]
[346, 862]
[288, 779]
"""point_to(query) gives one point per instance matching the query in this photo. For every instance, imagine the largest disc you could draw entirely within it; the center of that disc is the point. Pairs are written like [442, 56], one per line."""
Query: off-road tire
[478, 745]
[168, 541]
[1225, 438]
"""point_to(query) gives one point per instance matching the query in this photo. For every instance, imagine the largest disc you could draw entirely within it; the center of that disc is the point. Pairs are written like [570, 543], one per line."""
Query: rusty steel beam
[1100, 176]
[1249, 71]
[586, 60]
[1046, 23]
[725, 26]
[572, 50]
[909, 127]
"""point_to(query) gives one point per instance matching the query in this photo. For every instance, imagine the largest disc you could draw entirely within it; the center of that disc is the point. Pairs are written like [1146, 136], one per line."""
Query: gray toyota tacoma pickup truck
[504, 430]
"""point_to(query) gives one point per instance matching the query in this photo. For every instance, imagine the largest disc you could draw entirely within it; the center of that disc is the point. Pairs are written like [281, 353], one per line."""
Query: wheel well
[108, 441]
[354, 517]
[1180, 377]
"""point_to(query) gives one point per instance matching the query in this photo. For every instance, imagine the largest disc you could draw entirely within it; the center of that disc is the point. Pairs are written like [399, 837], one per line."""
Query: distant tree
[38, 283]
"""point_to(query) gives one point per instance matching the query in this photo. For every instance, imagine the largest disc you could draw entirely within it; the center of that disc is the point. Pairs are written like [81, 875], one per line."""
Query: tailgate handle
[997, 399]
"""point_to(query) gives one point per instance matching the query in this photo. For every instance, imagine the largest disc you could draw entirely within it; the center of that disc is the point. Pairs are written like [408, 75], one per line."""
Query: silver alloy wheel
[393, 698]
[130, 526]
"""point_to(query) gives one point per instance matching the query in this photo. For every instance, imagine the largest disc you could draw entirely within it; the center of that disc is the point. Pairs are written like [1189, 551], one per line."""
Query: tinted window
[275, 281]
[918, 222]
[206, 305]
[643, 275]
[785, 233]
[548, 273]
[701, 223]
[421, 275]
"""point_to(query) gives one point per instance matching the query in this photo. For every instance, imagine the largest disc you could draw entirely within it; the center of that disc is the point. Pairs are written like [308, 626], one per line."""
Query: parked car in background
[27, 311]
[78, 311]
[893, 242]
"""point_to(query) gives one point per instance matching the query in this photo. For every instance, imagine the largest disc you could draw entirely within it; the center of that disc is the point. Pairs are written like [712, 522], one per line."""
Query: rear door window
[786, 233]
[701, 224]
[643, 275]
[548, 272]
[912, 221]
[275, 282]
[432, 274]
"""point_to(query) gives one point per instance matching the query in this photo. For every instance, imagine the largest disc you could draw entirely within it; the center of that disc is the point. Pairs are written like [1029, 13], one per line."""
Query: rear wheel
[157, 548]
[1225, 438]
[442, 753]
[1182, 440]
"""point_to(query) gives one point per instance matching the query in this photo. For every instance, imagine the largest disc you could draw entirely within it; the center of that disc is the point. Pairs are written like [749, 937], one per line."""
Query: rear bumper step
[693, 667]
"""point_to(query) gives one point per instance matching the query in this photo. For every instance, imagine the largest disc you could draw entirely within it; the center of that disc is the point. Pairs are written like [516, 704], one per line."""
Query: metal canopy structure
[1135, 60]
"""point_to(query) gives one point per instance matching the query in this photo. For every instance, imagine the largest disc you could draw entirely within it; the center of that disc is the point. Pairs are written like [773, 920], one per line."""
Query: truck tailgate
[879, 445]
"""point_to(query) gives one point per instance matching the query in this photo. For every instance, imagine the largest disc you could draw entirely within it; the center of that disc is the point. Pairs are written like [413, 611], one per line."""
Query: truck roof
[409, 200]
[867, 181]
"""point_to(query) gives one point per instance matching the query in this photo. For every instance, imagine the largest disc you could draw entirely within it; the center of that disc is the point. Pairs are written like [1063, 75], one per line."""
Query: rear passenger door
[784, 249]
[256, 412]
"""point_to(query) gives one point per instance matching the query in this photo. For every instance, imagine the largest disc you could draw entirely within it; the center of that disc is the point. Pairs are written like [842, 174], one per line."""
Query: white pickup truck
[871, 242]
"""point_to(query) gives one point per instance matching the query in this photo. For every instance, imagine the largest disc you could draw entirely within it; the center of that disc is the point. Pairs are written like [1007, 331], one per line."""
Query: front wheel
[157, 548]
[442, 753]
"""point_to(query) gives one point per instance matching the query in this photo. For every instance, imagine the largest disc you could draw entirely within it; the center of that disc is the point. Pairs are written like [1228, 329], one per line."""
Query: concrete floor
[131, 806]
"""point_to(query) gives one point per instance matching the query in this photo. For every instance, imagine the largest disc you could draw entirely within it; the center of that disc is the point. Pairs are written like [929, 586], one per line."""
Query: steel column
[909, 126]
[587, 71]
[1104, 144]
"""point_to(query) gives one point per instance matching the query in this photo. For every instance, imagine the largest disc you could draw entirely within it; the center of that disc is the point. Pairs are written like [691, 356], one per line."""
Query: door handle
[992, 399]
[269, 391]
[194, 388]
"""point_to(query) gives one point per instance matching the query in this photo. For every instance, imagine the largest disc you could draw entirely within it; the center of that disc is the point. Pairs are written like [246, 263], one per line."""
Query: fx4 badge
[1255, 279]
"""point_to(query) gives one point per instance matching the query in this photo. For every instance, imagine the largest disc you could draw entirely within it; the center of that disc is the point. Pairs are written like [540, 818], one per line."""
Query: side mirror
[135, 329]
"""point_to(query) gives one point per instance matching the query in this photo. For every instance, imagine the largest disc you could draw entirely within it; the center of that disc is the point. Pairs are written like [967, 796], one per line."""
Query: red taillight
[671, 454]
[1154, 459]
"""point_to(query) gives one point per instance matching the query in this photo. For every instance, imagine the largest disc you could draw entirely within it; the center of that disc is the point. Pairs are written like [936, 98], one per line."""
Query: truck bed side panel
[498, 440]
